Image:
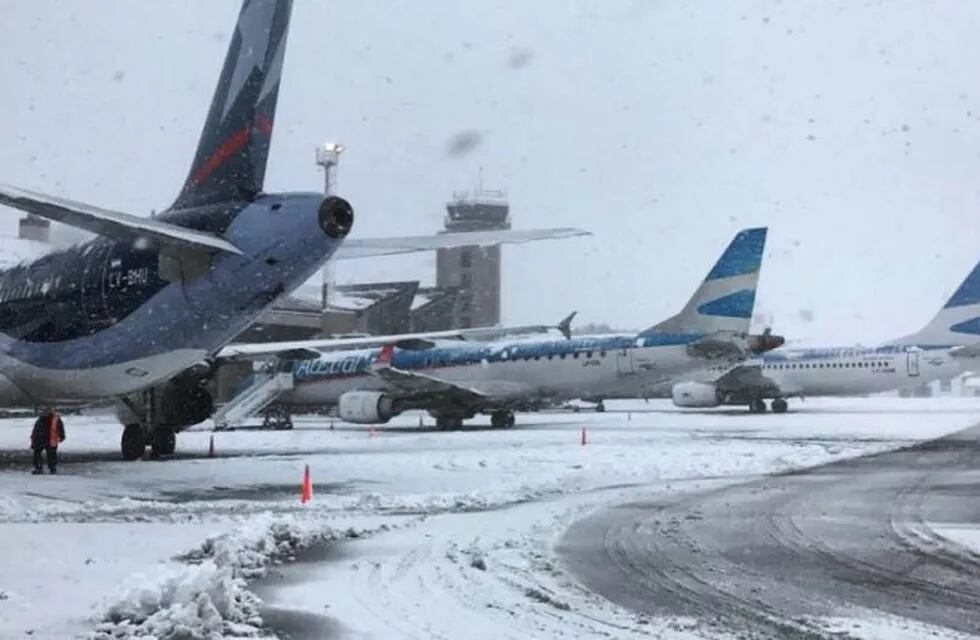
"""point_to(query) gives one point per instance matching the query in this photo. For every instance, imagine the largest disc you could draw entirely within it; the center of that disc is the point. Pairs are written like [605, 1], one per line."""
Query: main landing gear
[600, 407]
[758, 405]
[502, 419]
[449, 423]
[162, 441]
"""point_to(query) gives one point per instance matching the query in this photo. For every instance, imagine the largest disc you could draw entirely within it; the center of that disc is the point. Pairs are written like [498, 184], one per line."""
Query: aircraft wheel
[164, 442]
[448, 423]
[600, 407]
[502, 419]
[779, 406]
[757, 406]
[133, 442]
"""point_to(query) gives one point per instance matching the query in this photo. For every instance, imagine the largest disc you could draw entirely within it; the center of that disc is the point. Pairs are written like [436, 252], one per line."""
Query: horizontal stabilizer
[112, 224]
[368, 247]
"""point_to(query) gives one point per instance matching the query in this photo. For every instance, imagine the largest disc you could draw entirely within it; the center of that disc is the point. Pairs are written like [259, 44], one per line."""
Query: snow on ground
[452, 531]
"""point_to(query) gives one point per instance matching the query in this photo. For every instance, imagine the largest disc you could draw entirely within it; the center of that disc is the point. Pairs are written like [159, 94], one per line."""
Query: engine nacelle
[365, 407]
[695, 394]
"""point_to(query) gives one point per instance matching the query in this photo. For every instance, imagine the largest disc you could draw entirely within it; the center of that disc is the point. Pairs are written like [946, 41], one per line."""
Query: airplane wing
[417, 384]
[368, 247]
[310, 349]
[730, 345]
[113, 224]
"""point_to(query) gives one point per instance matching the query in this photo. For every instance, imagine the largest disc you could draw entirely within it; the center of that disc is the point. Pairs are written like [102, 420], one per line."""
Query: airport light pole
[328, 157]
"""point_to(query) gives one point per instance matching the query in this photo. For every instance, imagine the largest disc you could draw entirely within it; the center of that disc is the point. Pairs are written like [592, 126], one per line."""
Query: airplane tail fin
[234, 145]
[957, 323]
[726, 298]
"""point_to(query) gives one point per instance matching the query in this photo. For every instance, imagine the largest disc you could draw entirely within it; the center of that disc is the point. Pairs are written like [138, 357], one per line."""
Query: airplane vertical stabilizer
[957, 323]
[234, 145]
[726, 298]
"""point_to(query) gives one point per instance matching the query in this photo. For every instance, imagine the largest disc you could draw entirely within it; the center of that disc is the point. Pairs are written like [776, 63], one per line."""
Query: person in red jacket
[48, 433]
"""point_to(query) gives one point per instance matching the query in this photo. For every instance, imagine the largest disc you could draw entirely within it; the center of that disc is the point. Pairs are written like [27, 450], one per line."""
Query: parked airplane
[454, 382]
[944, 348]
[151, 297]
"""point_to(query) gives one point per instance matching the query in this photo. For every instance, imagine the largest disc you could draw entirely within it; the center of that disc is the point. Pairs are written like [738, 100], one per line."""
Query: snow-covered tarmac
[411, 533]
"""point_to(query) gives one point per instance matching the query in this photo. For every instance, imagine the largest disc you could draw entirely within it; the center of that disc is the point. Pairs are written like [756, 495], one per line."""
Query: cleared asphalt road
[764, 558]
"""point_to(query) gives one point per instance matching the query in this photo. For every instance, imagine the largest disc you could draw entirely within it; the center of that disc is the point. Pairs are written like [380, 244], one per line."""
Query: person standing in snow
[48, 433]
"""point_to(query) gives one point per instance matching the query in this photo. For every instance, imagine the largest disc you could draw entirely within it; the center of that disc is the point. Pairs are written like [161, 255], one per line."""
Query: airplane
[455, 381]
[141, 309]
[946, 347]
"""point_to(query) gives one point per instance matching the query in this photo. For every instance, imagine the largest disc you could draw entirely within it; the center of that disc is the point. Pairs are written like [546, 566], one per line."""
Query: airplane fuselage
[855, 371]
[107, 318]
[517, 375]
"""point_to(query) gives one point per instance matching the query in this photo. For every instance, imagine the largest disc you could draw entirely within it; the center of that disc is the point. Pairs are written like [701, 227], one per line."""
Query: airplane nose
[336, 217]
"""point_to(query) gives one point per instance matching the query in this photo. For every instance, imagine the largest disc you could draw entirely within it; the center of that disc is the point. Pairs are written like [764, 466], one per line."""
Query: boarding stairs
[266, 386]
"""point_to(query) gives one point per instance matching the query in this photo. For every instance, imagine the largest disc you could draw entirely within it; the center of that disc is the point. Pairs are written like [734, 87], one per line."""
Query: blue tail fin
[957, 323]
[726, 298]
[234, 145]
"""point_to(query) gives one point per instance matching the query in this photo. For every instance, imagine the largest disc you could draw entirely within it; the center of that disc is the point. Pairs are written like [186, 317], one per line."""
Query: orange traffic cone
[583, 437]
[211, 447]
[306, 490]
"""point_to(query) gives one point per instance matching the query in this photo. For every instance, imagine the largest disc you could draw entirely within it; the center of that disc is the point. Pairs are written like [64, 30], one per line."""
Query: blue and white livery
[455, 381]
[946, 347]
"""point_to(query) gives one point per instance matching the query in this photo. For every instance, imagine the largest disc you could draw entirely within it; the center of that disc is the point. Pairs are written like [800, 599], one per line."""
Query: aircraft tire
[163, 442]
[757, 406]
[502, 419]
[133, 443]
[779, 406]
[600, 407]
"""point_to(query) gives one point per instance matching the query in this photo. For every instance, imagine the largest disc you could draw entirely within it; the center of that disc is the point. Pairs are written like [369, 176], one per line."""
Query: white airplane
[946, 347]
[456, 381]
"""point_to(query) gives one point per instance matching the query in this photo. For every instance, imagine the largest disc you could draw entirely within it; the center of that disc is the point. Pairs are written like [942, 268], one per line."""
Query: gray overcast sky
[851, 128]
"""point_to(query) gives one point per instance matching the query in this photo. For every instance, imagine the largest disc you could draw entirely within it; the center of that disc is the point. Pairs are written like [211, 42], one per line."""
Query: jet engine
[695, 394]
[365, 407]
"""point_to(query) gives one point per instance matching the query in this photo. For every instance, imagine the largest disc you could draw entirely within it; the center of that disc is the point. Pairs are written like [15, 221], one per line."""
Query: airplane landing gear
[757, 405]
[133, 442]
[779, 406]
[449, 423]
[600, 407]
[163, 441]
[502, 419]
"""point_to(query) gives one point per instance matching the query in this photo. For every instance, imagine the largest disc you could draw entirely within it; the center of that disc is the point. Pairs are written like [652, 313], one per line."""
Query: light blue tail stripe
[969, 291]
[743, 255]
[734, 305]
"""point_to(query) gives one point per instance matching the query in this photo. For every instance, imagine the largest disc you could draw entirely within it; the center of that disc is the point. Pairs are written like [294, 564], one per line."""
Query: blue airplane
[142, 308]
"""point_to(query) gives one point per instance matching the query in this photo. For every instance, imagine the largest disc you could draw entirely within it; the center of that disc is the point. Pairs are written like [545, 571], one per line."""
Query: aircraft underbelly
[31, 384]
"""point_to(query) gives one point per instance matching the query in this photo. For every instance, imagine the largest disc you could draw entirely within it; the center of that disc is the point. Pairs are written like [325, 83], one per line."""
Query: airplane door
[913, 363]
[624, 362]
[94, 305]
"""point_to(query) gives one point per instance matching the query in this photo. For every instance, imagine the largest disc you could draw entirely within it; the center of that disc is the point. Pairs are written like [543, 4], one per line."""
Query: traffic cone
[211, 447]
[306, 490]
[583, 437]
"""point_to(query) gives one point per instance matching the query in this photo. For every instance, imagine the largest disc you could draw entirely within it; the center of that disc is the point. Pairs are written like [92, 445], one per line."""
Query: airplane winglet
[565, 326]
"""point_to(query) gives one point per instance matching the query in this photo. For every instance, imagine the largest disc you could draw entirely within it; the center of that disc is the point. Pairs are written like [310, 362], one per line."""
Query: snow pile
[202, 602]
[208, 597]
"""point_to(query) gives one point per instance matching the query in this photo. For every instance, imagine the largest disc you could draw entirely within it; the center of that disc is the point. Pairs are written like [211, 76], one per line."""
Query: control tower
[474, 270]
